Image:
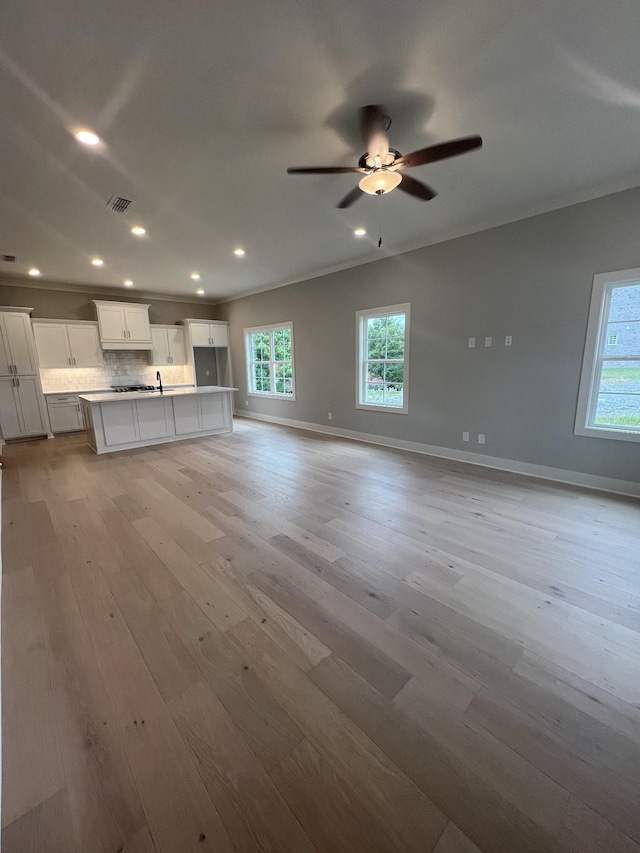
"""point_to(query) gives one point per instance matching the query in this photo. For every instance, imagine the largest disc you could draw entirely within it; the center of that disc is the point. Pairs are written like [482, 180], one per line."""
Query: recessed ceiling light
[34, 271]
[128, 283]
[87, 137]
[239, 252]
[138, 230]
[195, 276]
[97, 262]
[360, 232]
[200, 291]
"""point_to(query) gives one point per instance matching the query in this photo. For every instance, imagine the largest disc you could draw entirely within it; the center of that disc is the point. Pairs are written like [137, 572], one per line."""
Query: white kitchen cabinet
[84, 342]
[9, 409]
[154, 418]
[16, 349]
[65, 413]
[67, 344]
[186, 413]
[21, 409]
[120, 423]
[124, 325]
[168, 345]
[205, 334]
[201, 413]
[142, 419]
[212, 411]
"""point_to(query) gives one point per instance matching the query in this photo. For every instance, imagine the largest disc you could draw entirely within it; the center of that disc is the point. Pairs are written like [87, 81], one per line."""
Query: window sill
[396, 410]
[607, 432]
[290, 398]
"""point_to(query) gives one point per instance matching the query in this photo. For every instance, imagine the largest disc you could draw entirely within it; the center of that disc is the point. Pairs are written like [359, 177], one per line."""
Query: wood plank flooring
[282, 642]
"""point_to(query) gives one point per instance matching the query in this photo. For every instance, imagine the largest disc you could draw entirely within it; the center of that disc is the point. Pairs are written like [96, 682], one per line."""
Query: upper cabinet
[208, 334]
[17, 355]
[124, 325]
[67, 344]
[168, 345]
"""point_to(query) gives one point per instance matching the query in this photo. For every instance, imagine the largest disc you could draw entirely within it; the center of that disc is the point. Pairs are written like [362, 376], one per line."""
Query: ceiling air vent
[10, 259]
[119, 204]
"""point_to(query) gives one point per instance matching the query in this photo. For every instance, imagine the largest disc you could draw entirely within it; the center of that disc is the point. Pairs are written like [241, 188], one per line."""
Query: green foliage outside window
[385, 360]
[271, 361]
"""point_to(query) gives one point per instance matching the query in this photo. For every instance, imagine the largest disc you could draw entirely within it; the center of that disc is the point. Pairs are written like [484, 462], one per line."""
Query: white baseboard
[543, 472]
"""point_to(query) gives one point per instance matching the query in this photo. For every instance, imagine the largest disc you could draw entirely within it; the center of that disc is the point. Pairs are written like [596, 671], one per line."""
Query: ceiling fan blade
[325, 170]
[373, 126]
[350, 198]
[438, 152]
[416, 188]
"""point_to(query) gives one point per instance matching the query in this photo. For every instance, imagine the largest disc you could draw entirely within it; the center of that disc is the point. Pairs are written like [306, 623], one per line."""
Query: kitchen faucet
[159, 378]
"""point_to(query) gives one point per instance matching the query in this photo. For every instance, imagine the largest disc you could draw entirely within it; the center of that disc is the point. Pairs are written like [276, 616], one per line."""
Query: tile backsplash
[124, 367]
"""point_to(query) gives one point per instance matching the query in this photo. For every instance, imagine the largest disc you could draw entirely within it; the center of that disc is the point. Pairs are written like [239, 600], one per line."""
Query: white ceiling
[203, 105]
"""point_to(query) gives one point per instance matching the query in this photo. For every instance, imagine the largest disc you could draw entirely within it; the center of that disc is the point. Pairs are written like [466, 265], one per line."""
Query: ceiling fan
[382, 166]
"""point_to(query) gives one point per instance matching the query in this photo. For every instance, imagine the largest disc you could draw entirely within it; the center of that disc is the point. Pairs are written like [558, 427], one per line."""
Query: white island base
[137, 419]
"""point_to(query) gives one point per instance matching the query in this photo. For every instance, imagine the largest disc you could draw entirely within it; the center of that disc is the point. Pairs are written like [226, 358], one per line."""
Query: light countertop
[126, 396]
[76, 392]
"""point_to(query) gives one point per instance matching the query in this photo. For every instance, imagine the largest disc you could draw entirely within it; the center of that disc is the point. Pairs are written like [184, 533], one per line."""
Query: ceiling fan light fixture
[380, 182]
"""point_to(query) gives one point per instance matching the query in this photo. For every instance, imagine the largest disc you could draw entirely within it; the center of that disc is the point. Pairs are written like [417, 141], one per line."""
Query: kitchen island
[117, 421]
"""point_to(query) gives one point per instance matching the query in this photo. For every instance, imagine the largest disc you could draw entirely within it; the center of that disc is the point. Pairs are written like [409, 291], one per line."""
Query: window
[270, 361]
[609, 398]
[383, 358]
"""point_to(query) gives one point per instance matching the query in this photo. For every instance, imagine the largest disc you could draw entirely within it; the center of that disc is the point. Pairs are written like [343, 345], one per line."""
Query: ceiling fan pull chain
[379, 220]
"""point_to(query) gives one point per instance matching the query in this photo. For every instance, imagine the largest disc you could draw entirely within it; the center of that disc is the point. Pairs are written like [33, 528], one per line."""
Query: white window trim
[361, 317]
[587, 394]
[272, 395]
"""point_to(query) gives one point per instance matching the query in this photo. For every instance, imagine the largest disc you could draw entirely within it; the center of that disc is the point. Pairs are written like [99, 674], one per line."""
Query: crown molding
[97, 290]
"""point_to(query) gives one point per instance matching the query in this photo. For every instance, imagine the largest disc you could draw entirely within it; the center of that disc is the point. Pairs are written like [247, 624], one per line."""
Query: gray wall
[74, 305]
[531, 279]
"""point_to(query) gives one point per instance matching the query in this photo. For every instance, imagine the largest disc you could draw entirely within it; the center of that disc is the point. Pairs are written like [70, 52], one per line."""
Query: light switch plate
[508, 340]
[488, 341]
[465, 436]
[481, 438]
[472, 343]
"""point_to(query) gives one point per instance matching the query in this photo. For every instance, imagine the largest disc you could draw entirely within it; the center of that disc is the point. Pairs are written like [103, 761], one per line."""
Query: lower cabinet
[186, 411]
[119, 422]
[21, 410]
[65, 413]
[138, 420]
[198, 414]
[212, 410]
[154, 418]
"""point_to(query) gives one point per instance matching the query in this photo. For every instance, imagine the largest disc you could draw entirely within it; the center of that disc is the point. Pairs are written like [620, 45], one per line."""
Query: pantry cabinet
[16, 351]
[21, 408]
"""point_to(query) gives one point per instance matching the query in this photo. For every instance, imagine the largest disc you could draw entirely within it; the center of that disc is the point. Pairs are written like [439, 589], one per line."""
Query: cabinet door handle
[69, 359]
[18, 381]
[124, 333]
[74, 359]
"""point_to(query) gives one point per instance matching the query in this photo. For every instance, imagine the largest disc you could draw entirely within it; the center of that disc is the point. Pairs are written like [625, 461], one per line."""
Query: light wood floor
[276, 641]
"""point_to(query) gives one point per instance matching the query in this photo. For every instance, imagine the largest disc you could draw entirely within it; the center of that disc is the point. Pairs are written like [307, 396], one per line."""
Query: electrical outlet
[508, 340]
[246, 402]
[206, 373]
[488, 341]
[330, 416]
[472, 343]
[481, 438]
[465, 436]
